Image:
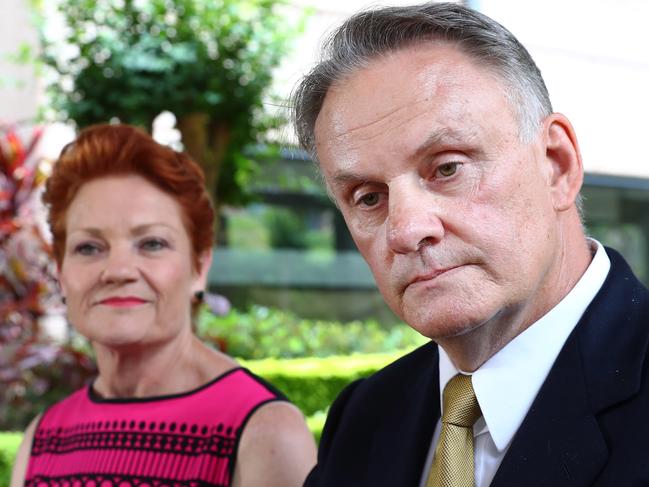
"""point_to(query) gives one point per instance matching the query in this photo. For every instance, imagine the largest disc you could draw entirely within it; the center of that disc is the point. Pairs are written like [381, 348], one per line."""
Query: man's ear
[204, 264]
[562, 154]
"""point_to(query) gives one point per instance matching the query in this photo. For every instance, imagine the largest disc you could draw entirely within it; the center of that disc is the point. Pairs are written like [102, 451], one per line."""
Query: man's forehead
[433, 104]
[396, 87]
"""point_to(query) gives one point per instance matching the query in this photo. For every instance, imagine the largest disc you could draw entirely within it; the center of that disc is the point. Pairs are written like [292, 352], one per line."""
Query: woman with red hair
[132, 231]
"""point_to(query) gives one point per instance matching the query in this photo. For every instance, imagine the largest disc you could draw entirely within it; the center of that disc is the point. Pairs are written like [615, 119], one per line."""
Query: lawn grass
[10, 441]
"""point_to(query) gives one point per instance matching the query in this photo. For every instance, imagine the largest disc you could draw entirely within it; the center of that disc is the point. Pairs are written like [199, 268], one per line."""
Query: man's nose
[120, 266]
[413, 218]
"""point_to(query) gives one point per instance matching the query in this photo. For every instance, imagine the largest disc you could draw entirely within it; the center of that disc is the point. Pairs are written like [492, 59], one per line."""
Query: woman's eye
[87, 249]
[369, 199]
[153, 245]
[448, 169]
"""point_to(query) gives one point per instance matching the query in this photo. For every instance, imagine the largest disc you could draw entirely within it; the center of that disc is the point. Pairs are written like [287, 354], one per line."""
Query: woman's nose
[120, 266]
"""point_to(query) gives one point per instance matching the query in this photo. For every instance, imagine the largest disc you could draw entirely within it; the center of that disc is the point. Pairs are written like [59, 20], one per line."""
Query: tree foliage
[210, 62]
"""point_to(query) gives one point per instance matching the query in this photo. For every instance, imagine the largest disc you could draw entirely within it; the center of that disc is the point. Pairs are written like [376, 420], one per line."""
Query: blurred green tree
[209, 62]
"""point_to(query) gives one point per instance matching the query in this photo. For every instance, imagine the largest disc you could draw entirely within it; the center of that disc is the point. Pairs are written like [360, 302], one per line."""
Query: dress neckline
[95, 397]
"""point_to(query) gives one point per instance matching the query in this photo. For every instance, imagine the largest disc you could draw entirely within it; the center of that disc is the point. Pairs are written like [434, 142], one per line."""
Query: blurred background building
[288, 246]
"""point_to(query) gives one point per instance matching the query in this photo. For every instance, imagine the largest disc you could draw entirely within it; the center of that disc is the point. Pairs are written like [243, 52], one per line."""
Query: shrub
[316, 423]
[47, 377]
[9, 443]
[287, 229]
[263, 332]
[313, 383]
[34, 370]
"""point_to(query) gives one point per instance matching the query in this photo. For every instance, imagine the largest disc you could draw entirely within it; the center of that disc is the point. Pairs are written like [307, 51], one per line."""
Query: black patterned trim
[110, 480]
[96, 398]
[271, 388]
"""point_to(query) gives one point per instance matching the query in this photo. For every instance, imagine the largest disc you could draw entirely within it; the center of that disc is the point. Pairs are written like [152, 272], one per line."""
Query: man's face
[452, 212]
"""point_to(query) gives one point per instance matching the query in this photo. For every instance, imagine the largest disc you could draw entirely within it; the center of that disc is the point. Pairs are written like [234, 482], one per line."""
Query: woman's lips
[122, 302]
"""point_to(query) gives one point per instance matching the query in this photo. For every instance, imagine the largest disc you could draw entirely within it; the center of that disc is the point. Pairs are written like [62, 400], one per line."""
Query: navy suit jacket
[587, 426]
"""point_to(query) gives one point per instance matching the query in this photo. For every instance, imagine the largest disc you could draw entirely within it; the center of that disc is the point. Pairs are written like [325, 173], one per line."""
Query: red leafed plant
[35, 369]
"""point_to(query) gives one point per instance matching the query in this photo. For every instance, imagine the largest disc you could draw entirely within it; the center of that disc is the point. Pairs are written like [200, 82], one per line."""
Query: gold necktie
[453, 461]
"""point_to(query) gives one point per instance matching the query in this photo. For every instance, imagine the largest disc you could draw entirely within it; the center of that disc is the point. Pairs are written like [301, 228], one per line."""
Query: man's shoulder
[393, 388]
[612, 340]
[622, 296]
[398, 405]
[395, 384]
[419, 364]
[621, 274]
[613, 336]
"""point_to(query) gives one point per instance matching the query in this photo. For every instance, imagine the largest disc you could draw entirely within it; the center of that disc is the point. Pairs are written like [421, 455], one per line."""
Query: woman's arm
[22, 457]
[276, 450]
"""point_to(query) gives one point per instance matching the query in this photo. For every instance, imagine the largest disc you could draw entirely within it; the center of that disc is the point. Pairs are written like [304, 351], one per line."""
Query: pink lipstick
[122, 301]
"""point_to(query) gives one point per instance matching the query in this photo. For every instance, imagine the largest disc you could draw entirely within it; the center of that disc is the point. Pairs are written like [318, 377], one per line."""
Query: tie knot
[461, 407]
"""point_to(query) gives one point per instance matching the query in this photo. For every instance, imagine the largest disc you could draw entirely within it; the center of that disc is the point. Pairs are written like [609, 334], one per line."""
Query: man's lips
[122, 301]
[431, 275]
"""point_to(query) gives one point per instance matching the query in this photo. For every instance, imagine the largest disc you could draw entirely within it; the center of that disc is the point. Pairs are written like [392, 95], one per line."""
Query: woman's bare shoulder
[276, 448]
[22, 457]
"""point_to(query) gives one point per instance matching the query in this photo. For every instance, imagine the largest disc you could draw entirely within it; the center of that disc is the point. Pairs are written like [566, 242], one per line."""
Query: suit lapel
[560, 442]
[402, 439]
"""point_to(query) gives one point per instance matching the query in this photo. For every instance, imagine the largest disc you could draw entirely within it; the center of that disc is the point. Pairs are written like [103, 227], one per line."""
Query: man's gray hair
[371, 34]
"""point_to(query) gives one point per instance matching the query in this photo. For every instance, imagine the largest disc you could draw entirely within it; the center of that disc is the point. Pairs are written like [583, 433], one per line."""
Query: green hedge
[261, 332]
[313, 383]
[9, 443]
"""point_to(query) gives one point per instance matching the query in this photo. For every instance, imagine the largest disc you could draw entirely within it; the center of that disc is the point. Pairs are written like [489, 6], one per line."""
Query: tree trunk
[206, 141]
[193, 130]
[219, 139]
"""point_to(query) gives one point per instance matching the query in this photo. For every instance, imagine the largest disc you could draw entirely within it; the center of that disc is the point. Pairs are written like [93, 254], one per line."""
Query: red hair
[109, 150]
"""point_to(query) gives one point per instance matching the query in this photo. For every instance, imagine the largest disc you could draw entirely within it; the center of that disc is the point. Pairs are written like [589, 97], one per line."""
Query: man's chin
[442, 325]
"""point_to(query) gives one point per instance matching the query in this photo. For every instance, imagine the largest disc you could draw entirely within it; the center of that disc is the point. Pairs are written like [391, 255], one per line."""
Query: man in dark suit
[435, 134]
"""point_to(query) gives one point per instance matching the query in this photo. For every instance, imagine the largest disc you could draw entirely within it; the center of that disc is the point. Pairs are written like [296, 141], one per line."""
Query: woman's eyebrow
[146, 227]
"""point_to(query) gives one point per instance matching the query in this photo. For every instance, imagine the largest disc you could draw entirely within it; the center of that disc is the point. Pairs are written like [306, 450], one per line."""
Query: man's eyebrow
[342, 178]
[440, 137]
[437, 138]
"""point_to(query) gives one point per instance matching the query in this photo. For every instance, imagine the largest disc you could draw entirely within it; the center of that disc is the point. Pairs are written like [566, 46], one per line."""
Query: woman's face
[127, 272]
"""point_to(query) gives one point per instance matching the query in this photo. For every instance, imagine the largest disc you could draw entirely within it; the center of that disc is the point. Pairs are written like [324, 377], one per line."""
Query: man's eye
[369, 199]
[151, 245]
[87, 249]
[448, 169]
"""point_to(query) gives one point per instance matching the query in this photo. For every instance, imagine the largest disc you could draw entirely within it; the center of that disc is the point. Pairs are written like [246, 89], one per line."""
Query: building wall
[19, 88]
[594, 56]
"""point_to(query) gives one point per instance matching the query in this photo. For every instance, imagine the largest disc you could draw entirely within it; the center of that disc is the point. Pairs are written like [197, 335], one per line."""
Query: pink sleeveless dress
[187, 439]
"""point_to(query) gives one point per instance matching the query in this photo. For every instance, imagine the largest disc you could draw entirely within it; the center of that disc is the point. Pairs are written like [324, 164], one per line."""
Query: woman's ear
[564, 159]
[59, 282]
[204, 264]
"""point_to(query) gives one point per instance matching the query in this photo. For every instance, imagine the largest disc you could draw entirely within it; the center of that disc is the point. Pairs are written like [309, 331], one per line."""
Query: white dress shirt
[507, 383]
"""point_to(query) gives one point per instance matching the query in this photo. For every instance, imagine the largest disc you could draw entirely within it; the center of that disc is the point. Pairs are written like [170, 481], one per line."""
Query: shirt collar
[524, 363]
